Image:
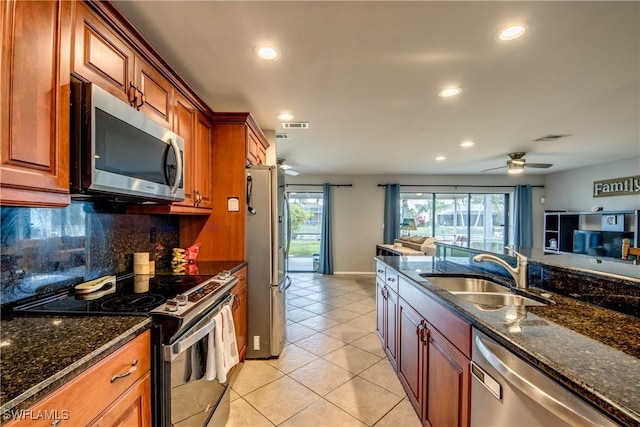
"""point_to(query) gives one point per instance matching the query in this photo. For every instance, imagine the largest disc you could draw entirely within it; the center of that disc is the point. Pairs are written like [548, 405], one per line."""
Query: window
[472, 220]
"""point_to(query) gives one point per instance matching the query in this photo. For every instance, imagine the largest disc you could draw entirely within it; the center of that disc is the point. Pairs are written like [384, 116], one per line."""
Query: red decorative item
[191, 253]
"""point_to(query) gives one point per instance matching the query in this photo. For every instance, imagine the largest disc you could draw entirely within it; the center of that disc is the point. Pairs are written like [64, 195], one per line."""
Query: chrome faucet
[519, 272]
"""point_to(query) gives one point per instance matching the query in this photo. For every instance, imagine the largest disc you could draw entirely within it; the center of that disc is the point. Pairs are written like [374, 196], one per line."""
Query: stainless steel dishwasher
[507, 391]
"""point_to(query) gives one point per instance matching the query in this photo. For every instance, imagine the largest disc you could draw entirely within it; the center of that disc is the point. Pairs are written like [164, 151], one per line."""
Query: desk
[391, 250]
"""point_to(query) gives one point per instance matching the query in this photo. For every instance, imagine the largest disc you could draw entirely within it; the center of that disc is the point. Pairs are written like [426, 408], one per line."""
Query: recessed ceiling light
[440, 158]
[467, 144]
[285, 117]
[511, 32]
[449, 91]
[267, 52]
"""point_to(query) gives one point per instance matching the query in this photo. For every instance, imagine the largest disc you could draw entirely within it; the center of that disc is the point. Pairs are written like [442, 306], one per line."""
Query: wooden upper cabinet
[157, 90]
[202, 164]
[100, 56]
[256, 147]
[34, 103]
[184, 125]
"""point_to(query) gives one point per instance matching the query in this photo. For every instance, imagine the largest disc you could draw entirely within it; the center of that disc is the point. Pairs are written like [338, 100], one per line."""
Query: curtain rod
[320, 185]
[459, 185]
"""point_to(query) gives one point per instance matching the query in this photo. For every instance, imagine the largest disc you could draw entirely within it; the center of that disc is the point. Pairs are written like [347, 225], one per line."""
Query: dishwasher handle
[554, 404]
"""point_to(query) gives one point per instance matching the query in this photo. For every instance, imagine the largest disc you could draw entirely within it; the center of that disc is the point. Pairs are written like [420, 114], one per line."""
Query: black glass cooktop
[136, 295]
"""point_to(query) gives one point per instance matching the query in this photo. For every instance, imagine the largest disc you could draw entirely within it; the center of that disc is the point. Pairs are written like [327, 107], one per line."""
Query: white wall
[573, 190]
[358, 211]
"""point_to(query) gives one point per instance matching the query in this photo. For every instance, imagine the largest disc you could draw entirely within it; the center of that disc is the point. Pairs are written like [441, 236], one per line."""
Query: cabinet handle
[132, 369]
[56, 422]
[380, 271]
[131, 94]
[139, 98]
[391, 279]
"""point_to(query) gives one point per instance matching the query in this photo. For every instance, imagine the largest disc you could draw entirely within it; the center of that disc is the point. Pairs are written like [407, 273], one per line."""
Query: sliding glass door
[478, 221]
[306, 210]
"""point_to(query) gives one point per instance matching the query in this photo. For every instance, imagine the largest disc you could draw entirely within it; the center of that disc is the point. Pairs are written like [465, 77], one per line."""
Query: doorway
[305, 214]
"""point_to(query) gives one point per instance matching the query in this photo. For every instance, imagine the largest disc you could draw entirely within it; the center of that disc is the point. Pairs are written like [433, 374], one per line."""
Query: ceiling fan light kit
[517, 163]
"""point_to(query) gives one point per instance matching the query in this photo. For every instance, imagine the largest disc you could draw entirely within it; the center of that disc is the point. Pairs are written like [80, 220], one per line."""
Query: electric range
[183, 308]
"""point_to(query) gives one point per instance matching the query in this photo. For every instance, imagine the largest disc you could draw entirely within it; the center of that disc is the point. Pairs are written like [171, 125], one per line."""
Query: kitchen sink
[466, 284]
[497, 300]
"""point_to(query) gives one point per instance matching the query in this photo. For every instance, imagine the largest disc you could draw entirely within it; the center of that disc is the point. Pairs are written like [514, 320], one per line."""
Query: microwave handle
[176, 149]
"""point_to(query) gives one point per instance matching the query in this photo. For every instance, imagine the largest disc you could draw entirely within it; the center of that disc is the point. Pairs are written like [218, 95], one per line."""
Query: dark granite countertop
[38, 354]
[593, 351]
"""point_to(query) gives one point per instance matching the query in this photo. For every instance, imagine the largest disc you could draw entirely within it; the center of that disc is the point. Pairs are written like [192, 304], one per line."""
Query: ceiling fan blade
[538, 165]
[291, 172]
[492, 169]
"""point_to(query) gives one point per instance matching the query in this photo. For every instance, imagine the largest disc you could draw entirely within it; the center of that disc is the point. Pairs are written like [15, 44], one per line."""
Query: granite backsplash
[45, 249]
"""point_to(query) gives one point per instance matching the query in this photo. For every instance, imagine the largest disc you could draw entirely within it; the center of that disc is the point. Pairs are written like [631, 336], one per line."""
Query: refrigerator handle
[288, 219]
[249, 194]
[287, 283]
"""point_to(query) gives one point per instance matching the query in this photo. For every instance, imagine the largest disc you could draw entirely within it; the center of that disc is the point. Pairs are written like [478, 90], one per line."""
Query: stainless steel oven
[192, 395]
[182, 309]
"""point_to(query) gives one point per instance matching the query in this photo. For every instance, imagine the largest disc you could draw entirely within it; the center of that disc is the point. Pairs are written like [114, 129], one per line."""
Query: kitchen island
[594, 352]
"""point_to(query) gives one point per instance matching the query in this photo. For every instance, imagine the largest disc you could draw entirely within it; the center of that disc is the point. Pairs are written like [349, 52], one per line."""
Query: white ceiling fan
[286, 167]
[517, 163]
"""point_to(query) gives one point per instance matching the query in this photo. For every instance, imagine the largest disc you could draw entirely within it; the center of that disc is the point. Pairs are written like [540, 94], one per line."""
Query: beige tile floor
[332, 371]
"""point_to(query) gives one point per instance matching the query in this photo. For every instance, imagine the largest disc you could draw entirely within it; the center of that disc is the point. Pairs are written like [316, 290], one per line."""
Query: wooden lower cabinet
[448, 388]
[434, 372]
[386, 319]
[132, 409]
[114, 392]
[239, 311]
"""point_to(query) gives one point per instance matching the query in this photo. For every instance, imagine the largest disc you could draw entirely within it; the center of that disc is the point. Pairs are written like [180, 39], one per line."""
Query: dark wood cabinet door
[381, 313]
[100, 56]
[410, 354]
[34, 105]
[391, 327]
[448, 398]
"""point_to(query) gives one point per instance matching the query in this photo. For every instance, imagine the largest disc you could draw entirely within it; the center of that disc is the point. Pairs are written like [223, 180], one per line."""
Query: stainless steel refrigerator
[267, 245]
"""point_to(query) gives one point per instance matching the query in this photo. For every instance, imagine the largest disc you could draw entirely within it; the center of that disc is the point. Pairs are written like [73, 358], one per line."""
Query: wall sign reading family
[617, 187]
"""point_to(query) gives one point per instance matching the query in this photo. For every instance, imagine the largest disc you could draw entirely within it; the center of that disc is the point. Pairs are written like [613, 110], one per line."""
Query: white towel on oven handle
[226, 348]
[222, 348]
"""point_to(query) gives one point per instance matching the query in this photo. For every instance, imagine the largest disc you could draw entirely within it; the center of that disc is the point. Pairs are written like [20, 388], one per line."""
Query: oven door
[190, 399]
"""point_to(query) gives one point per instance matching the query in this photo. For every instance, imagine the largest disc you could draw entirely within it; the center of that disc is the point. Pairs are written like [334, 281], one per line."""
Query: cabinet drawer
[380, 271]
[86, 396]
[457, 331]
[391, 279]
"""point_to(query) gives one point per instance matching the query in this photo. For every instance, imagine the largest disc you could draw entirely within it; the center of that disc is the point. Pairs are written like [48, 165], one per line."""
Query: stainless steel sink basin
[466, 284]
[493, 300]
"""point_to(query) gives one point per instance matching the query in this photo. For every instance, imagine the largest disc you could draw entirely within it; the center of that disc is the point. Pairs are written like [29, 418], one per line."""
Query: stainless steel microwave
[118, 152]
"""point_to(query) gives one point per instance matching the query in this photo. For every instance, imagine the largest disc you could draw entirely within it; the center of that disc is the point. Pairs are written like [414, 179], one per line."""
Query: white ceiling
[366, 74]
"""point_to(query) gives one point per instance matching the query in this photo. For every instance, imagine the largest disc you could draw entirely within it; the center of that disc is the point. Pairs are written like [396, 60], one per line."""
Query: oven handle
[182, 346]
[174, 350]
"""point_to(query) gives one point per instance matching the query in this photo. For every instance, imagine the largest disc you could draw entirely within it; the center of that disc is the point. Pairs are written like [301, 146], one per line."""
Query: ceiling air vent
[282, 136]
[552, 137]
[295, 125]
